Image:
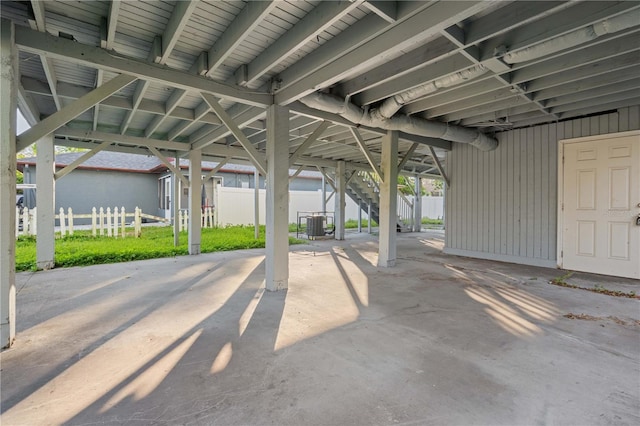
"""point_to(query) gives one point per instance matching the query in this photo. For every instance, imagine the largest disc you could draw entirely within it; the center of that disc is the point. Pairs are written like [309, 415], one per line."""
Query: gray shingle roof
[142, 163]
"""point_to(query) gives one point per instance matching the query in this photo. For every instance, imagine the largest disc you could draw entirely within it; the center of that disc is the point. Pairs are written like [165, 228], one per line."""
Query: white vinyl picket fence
[104, 222]
[208, 218]
[26, 221]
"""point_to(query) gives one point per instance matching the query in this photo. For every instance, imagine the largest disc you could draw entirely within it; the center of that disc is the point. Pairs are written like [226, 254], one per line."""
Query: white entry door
[600, 204]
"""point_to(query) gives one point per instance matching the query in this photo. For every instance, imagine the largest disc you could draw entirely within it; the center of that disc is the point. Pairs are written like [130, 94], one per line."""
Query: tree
[406, 185]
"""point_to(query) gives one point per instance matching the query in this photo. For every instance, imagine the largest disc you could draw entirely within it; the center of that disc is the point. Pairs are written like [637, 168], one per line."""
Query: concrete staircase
[365, 188]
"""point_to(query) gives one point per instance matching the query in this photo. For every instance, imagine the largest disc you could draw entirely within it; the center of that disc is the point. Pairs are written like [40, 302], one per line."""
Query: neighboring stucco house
[111, 179]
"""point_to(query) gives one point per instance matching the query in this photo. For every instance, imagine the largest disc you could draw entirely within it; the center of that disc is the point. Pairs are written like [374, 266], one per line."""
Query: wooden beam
[217, 168]
[327, 178]
[366, 152]
[439, 165]
[257, 159]
[71, 167]
[121, 139]
[387, 10]
[72, 110]
[323, 16]
[178, 20]
[26, 105]
[307, 143]
[96, 109]
[39, 14]
[170, 166]
[246, 21]
[114, 9]
[297, 172]
[198, 113]
[38, 43]
[408, 155]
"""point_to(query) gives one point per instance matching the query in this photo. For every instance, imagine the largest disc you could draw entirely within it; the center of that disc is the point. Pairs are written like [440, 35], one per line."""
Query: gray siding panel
[84, 189]
[503, 204]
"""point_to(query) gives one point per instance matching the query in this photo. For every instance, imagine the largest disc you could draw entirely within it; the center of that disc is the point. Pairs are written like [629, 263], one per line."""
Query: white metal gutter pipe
[401, 122]
[392, 104]
[575, 38]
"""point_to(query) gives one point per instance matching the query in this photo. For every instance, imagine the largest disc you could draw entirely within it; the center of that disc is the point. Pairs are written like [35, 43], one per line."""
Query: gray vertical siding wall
[502, 204]
[84, 189]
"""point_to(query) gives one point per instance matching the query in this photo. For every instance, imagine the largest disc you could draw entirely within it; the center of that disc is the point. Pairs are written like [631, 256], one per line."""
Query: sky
[21, 123]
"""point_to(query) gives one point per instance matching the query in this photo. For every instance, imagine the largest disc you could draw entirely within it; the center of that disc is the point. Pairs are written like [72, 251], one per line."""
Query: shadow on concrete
[132, 312]
[436, 340]
[182, 363]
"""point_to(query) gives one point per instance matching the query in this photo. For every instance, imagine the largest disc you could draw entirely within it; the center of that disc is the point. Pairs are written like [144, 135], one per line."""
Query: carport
[488, 96]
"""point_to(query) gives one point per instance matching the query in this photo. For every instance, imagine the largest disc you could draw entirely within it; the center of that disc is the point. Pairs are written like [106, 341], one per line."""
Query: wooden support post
[340, 202]
[277, 237]
[388, 201]
[195, 200]
[45, 200]
[9, 78]
[256, 203]
[175, 203]
[417, 205]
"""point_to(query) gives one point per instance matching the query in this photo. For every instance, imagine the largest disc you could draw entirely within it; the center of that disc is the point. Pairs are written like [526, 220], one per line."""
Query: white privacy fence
[235, 207]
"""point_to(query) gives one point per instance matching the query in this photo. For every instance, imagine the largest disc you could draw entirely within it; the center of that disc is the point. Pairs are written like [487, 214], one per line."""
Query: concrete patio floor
[436, 340]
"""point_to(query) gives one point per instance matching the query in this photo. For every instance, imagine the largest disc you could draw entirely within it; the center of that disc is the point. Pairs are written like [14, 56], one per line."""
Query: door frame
[560, 205]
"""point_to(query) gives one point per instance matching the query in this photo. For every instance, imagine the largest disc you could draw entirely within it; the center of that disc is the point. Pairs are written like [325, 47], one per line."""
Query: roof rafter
[246, 21]
[387, 10]
[71, 111]
[165, 44]
[256, 158]
[404, 35]
[39, 24]
[319, 19]
[90, 56]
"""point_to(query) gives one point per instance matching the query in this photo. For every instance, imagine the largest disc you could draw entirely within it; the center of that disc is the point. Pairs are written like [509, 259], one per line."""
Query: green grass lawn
[84, 249]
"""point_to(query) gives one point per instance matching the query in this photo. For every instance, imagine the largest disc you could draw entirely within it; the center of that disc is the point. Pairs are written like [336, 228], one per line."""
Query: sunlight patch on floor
[245, 318]
[503, 315]
[148, 380]
[306, 313]
[435, 243]
[511, 308]
[222, 359]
